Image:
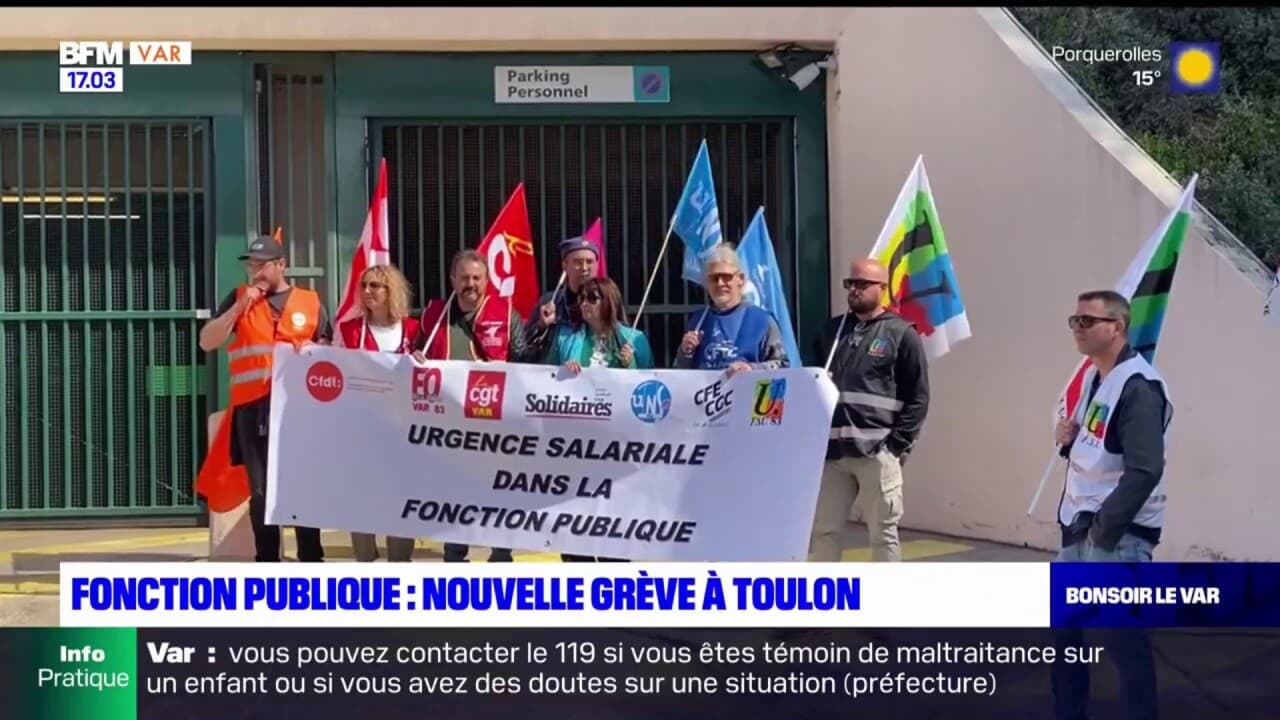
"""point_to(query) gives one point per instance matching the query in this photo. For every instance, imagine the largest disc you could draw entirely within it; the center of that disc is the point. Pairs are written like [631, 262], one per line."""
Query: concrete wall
[1036, 209]
[1038, 201]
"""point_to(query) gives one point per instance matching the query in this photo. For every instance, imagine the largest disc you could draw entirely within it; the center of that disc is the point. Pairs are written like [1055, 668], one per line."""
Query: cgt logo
[714, 401]
[324, 381]
[425, 390]
[767, 404]
[485, 389]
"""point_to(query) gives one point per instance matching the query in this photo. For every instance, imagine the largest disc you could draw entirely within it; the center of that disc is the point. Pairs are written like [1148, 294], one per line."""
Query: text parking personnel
[1113, 502]
[261, 313]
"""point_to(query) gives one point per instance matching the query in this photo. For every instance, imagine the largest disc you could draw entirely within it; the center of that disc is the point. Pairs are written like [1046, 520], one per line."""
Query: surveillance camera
[805, 76]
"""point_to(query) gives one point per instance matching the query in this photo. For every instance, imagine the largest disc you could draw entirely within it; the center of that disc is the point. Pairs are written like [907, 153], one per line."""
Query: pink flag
[595, 236]
[372, 250]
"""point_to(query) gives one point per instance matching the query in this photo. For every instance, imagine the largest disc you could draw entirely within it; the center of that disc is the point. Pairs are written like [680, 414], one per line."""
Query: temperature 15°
[1145, 78]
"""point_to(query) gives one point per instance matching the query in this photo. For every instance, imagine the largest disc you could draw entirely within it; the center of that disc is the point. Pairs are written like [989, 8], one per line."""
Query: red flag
[595, 236]
[508, 248]
[1069, 400]
[372, 250]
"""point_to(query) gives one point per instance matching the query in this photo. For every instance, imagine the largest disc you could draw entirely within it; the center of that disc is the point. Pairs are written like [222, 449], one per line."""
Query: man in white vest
[1112, 506]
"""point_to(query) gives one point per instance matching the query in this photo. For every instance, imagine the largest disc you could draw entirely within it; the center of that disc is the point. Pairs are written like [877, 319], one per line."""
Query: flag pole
[448, 304]
[653, 275]
[1044, 480]
[835, 343]
[563, 276]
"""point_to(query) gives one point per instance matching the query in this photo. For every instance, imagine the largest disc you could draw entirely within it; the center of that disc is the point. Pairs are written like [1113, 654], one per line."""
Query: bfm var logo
[485, 390]
[767, 405]
[425, 390]
[108, 54]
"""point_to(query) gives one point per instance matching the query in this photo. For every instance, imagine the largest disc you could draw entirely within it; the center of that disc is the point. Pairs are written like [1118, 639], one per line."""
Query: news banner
[202, 640]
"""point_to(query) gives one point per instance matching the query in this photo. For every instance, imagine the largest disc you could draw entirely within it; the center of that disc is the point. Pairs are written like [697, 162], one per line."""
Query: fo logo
[324, 381]
[651, 401]
[425, 389]
[485, 389]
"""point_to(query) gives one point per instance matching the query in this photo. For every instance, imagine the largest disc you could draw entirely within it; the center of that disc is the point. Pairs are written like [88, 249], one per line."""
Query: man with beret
[578, 260]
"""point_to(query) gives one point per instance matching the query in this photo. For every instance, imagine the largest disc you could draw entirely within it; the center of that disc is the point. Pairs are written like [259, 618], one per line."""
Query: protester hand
[1066, 431]
[419, 357]
[252, 294]
[573, 367]
[301, 345]
[548, 314]
[736, 368]
[690, 342]
[626, 354]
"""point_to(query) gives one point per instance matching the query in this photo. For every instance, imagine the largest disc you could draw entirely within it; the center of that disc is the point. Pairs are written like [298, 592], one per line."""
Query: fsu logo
[485, 389]
[767, 405]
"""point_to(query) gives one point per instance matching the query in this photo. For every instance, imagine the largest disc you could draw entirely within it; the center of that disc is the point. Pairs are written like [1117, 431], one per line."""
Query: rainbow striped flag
[922, 282]
[1146, 284]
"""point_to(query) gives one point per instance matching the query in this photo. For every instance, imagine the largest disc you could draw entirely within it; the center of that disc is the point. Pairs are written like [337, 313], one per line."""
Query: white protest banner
[651, 465]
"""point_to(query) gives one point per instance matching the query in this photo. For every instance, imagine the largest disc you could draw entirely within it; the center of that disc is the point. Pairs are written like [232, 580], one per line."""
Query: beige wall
[1035, 210]
[1037, 201]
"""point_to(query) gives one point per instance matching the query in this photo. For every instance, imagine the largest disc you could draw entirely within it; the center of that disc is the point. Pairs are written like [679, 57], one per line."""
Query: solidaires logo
[1195, 67]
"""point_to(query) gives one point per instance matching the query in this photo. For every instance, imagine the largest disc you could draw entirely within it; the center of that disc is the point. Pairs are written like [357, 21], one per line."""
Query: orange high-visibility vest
[223, 485]
[257, 332]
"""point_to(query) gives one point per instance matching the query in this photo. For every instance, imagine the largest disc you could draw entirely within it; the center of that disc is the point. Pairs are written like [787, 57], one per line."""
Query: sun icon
[1194, 67]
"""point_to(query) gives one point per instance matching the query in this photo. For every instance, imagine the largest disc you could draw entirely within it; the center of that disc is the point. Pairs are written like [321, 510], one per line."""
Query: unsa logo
[651, 401]
[324, 381]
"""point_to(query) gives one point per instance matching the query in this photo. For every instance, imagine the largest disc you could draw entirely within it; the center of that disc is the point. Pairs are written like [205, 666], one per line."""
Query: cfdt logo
[651, 401]
[485, 389]
[324, 381]
[425, 390]
[767, 402]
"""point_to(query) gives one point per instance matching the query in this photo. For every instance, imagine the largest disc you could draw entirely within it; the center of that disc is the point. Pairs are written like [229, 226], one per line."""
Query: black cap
[264, 248]
[577, 243]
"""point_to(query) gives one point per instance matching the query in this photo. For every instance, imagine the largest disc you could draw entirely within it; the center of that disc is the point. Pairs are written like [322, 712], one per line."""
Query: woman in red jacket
[386, 325]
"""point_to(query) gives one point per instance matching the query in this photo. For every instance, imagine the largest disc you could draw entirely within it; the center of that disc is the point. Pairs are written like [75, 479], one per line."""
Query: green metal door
[103, 230]
[448, 181]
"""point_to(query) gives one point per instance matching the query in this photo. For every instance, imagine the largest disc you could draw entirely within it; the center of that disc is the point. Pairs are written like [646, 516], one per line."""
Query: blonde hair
[397, 289]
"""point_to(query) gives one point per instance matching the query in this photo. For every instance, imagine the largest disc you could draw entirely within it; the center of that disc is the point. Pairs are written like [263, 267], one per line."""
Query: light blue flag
[697, 217]
[764, 281]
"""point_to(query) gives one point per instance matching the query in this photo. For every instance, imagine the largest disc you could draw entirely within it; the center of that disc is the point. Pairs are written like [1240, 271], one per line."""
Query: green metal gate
[448, 181]
[103, 230]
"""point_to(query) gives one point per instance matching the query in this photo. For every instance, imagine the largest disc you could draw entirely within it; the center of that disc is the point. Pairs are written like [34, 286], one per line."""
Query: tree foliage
[1232, 138]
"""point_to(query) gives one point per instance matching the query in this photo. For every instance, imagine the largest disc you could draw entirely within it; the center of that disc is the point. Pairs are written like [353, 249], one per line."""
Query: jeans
[1128, 648]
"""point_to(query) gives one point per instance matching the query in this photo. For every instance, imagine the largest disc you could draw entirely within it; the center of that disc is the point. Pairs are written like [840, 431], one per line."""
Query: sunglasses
[859, 283]
[373, 285]
[721, 277]
[591, 298]
[1084, 322]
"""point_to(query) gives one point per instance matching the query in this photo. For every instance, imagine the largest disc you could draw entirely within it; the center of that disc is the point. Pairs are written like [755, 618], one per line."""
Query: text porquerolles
[632, 452]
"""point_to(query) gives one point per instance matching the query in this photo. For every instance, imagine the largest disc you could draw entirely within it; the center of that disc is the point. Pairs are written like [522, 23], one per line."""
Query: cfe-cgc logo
[324, 381]
[767, 405]
[485, 389]
[569, 407]
[714, 401]
[424, 390]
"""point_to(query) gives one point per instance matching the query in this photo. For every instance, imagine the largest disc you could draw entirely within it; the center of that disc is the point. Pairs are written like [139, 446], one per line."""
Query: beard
[863, 304]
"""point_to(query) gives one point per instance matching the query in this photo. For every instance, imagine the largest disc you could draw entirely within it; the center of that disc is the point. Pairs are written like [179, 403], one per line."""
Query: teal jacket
[579, 343]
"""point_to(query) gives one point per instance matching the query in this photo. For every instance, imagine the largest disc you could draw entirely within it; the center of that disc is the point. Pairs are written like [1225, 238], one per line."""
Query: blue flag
[697, 217]
[764, 281]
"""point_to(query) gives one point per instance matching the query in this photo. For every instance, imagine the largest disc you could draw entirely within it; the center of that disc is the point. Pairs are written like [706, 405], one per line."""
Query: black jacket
[882, 373]
[1135, 430]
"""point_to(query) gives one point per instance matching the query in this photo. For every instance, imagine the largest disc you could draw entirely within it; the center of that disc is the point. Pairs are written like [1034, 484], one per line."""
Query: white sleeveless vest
[1092, 472]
